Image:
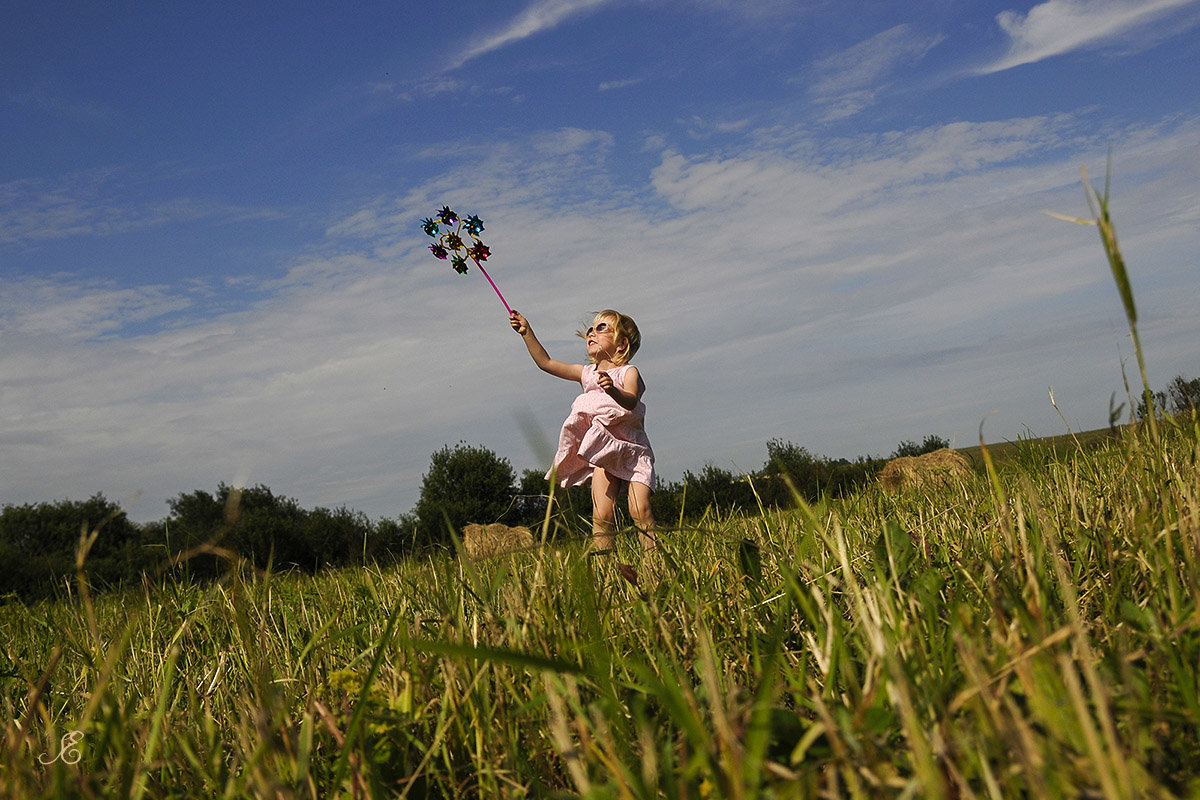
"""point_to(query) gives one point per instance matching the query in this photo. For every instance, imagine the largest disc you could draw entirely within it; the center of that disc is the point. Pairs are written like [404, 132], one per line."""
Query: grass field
[1033, 631]
[1004, 453]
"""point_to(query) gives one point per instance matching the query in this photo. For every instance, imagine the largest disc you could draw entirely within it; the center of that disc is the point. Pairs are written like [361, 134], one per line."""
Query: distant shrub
[1184, 394]
[717, 488]
[38, 543]
[269, 530]
[464, 484]
[931, 443]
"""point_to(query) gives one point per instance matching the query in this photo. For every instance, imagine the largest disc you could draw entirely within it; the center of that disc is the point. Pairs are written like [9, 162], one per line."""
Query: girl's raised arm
[560, 369]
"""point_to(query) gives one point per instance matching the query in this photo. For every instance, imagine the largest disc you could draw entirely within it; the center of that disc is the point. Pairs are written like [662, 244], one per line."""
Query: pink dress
[600, 432]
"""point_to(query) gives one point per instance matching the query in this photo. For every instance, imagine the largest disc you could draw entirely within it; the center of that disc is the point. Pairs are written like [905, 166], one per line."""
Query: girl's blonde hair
[623, 328]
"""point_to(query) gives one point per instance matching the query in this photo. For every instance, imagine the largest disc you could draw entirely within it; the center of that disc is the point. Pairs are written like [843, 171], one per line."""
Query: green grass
[1038, 448]
[1032, 632]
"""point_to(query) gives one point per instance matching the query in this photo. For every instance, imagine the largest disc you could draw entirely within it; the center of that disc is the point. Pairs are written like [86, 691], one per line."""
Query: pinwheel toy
[447, 229]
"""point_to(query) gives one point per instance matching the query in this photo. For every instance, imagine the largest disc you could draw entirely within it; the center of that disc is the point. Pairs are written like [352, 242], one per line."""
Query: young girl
[603, 438]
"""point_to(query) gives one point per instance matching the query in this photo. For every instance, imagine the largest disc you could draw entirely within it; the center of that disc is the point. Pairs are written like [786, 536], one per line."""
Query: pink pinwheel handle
[493, 283]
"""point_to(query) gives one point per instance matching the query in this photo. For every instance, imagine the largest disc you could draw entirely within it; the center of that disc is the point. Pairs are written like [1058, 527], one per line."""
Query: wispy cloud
[72, 310]
[843, 286]
[368, 355]
[848, 81]
[100, 202]
[609, 85]
[42, 97]
[540, 16]
[1061, 26]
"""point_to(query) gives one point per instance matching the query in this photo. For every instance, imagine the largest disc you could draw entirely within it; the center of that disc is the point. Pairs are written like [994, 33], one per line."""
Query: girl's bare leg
[604, 508]
[643, 517]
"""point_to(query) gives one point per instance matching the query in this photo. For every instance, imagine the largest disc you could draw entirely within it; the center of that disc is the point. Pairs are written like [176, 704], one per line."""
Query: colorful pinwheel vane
[447, 228]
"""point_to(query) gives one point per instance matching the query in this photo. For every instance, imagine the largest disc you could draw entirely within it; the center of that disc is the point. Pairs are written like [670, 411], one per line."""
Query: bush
[38, 544]
[791, 463]
[464, 484]
[1158, 402]
[847, 477]
[1184, 394]
[716, 488]
[269, 531]
[910, 448]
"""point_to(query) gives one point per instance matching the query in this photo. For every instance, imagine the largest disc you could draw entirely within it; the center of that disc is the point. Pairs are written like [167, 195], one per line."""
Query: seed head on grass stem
[1098, 204]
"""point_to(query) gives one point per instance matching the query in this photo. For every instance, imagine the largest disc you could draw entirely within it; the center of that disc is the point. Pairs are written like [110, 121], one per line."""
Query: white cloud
[540, 15]
[429, 86]
[1056, 27]
[71, 310]
[848, 81]
[873, 60]
[607, 86]
[566, 141]
[98, 202]
[911, 271]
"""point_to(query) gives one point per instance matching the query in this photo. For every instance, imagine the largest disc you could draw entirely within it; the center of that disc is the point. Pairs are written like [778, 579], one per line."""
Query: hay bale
[939, 468]
[485, 541]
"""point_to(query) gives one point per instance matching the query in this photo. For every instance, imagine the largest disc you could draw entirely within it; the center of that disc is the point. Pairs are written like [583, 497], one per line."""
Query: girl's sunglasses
[602, 327]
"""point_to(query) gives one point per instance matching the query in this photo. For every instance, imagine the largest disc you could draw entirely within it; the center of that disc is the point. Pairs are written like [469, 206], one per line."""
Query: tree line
[1181, 396]
[207, 532]
[202, 536]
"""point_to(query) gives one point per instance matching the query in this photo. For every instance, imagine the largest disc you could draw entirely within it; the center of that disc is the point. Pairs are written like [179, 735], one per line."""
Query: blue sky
[827, 219]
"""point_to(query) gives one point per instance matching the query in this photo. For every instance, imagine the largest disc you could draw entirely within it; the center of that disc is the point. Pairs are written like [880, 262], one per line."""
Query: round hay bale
[939, 468]
[485, 541]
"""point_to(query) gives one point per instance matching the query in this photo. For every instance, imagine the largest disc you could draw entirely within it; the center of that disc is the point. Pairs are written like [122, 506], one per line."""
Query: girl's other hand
[605, 380]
